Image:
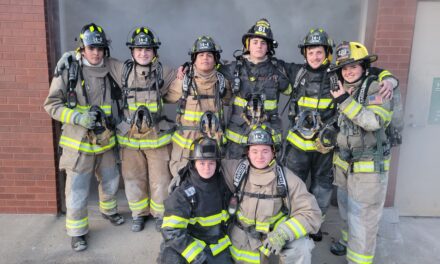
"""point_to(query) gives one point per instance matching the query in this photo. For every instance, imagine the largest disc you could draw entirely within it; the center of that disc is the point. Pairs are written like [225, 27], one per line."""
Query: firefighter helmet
[260, 136]
[93, 35]
[261, 29]
[205, 149]
[143, 37]
[352, 52]
[317, 37]
[205, 44]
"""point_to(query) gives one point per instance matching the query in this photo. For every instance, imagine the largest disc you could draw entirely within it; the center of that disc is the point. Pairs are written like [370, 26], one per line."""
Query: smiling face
[205, 168]
[352, 72]
[205, 62]
[260, 156]
[143, 56]
[257, 48]
[315, 56]
[93, 55]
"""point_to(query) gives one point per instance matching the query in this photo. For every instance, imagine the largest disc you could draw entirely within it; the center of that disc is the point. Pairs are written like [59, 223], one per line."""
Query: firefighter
[144, 135]
[200, 97]
[257, 78]
[272, 210]
[84, 99]
[194, 226]
[311, 136]
[362, 160]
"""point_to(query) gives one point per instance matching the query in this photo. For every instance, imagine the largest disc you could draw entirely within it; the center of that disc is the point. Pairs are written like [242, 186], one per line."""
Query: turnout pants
[320, 168]
[146, 177]
[80, 168]
[361, 197]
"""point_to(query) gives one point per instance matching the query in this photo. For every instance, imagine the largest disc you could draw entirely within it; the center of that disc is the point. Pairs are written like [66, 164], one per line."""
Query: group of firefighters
[227, 189]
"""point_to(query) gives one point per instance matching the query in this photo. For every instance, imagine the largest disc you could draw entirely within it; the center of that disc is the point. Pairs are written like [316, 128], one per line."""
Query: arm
[387, 82]
[174, 91]
[174, 228]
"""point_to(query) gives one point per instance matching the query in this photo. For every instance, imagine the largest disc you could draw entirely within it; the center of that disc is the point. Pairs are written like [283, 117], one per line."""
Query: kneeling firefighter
[272, 210]
[145, 133]
[194, 226]
[200, 97]
[85, 98]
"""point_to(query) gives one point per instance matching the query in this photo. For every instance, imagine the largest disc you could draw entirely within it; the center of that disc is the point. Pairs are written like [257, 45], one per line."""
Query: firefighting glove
[64, 62]
[87, 120]
[201, 258]
[175, 182]
[278, 238]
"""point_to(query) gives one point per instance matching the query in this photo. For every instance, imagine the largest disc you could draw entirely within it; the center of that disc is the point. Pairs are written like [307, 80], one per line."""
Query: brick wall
[393, 42]
[27, 172]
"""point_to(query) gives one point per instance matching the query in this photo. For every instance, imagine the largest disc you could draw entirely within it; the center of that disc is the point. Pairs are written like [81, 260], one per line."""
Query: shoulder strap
[241, 172]
[126, 70]
[72, 99]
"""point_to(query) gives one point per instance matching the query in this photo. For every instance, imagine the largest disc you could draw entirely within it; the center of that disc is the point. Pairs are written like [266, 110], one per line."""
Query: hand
[338, 92]
[386, 89]
[87, 120]
[64, 62]
[276, 240]
[201, 258]
[175, 182]
[182, 70]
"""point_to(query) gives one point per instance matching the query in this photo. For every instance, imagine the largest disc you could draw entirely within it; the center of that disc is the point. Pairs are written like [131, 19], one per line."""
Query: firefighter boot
[138, 223]
[338, 248]
[79, 243]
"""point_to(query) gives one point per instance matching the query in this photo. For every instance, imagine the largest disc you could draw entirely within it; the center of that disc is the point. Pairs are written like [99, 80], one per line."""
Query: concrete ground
[42, 239]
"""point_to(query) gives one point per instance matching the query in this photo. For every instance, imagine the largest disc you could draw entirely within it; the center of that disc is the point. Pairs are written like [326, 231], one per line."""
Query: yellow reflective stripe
[210, 220]
[382, 112]
[368, 166]
[296, 227]
[136, 206]
[313, 102]
[181, 141]
[193, 250]
[270, 105]
[221, 245]
[108, 205]
[84, 108]
[359, 258]
[238, 101]
[262, 226]
[66, 116]
[86, 147]
[244, 219]
[288, 91]
[264, 250]
[259, 226]
[77, 224]
[157, 207]
[279, 221]
[145, 143]
[194, 115]
[152, 107]
[245, 255]
[299, 142]
[174, 221]
[235, 137]
[340, 162]
[352, 109]
[383, 74]
[344, 235]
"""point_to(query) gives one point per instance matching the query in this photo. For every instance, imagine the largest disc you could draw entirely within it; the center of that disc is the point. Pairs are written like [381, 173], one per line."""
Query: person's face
[206, 168]
[260, 155]
[93, 55]
[205, 62]
[143, 56]
[257, 48]
[315, 55]
[352, 72]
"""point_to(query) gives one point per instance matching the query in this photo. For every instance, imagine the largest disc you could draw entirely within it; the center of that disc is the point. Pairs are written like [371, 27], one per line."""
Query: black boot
[316, 237]
[115, 219]
[338, 249]
[79, 243]
[138, 223]
[158, 224]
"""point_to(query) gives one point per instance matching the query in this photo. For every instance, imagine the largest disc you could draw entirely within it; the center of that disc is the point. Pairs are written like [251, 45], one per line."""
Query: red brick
[23, 2]
[45, 197]
[7, 196]
[36, 210]
[36, 203]
[40, 190]
[26, 196]
[29, 108]
[16, 203]
[8, 210]
[18, 100]
[6, 156]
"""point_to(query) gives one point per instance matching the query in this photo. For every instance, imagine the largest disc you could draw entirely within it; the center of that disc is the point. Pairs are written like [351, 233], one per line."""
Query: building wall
[27, 158]
[392, 43]
[27, 171]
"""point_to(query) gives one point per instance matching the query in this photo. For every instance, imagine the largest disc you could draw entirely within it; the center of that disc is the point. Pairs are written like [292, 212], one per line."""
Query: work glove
[201, 258]
[64, 62]
[175, 182]
[87, 120]
[278, 238]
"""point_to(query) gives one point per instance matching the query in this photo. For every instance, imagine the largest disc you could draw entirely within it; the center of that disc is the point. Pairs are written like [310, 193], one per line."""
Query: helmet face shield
[205, 149]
